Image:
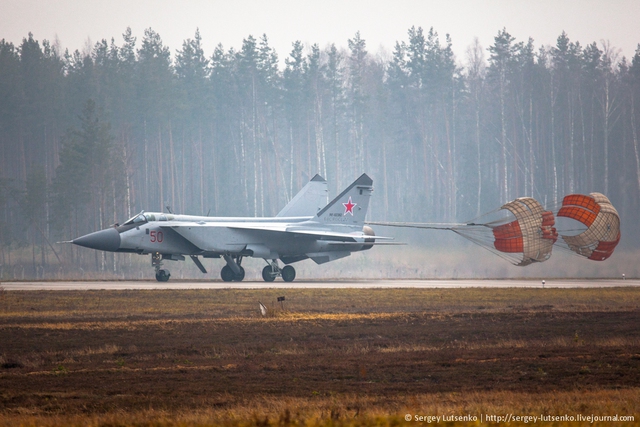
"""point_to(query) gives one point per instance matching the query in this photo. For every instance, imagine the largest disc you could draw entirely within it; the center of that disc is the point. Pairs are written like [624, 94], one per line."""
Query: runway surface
[389, 283]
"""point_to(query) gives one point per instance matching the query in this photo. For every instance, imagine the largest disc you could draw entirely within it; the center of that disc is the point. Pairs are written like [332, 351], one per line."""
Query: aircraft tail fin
[309, 200]
[350, 207]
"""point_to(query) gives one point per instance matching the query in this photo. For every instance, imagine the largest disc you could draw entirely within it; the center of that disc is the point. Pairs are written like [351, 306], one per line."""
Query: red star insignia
[348, 207]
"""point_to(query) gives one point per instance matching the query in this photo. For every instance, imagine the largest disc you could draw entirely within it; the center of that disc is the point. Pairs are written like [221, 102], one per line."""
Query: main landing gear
[233, 271]
[162, 275]
[272, 270]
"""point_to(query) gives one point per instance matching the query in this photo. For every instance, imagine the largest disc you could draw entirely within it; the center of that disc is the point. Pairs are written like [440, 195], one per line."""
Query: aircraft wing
[203, 235]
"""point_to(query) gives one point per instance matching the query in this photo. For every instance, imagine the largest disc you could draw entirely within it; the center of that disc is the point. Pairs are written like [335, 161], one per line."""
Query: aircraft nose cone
[103, 240]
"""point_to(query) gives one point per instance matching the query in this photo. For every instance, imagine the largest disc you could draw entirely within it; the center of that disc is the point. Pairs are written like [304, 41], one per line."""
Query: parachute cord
[423, 225]
[474, 220]
[488, 245]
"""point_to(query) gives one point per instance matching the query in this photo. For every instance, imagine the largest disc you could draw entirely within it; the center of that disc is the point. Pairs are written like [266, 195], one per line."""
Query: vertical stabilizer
[309, 200]
[350, 207]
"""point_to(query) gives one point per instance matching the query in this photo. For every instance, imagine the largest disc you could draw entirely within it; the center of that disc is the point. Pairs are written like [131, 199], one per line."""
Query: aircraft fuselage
[319, 233]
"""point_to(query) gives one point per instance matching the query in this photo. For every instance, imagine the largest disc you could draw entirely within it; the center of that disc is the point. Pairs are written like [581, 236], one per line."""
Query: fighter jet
[303, 229]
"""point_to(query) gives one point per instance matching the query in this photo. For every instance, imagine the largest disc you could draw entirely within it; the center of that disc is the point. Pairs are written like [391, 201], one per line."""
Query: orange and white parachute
[597, 213]
[532, 234]
[524, 236]
[523, 232]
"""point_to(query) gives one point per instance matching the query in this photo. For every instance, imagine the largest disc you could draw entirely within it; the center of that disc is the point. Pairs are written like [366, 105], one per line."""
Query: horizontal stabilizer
[347, 244]
[425, 225]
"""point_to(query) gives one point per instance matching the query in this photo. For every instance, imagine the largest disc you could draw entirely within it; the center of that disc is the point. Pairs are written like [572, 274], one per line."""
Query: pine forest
[89, 139]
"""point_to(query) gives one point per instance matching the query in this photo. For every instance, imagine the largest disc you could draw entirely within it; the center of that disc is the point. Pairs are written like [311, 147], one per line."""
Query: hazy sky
[381, 23]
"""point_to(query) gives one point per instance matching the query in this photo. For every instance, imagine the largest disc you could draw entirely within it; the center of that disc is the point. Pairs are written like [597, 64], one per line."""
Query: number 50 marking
[156, 236]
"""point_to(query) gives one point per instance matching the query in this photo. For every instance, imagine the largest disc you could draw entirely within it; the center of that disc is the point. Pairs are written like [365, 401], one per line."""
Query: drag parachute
[524, 240]
[520, 231]
[523, 232]
[597, 213]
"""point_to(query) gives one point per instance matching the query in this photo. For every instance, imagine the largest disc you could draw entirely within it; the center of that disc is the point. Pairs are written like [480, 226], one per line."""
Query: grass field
[326, 357]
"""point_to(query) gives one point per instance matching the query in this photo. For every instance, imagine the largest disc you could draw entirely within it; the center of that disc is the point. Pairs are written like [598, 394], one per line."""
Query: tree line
[88, 139]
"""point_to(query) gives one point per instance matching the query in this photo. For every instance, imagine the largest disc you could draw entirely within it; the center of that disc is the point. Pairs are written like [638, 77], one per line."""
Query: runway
[320, 284]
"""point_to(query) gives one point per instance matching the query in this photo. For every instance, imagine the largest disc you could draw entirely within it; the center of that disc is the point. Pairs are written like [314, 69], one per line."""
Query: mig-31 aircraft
[304, 228]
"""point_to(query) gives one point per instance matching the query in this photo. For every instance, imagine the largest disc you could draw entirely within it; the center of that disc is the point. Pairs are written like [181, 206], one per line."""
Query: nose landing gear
[162, 275]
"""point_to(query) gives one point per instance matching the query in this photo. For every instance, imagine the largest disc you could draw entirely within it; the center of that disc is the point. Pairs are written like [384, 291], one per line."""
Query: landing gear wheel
[163, 275]
[240, 276]
[288, 273]
[227, 274]
[267, 274]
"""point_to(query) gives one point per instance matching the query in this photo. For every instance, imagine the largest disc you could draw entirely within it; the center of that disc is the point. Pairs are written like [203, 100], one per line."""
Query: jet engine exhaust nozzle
[369, 232]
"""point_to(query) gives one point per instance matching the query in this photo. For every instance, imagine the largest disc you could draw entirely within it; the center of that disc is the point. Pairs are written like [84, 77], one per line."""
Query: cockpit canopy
[143, 218]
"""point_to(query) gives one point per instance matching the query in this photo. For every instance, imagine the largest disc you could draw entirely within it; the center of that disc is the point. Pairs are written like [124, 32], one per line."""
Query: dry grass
[357, 410]
[233, 303]
[332, 357]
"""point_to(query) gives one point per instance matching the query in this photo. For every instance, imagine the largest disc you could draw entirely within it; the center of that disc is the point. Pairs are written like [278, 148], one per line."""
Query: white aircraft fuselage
[321, 234]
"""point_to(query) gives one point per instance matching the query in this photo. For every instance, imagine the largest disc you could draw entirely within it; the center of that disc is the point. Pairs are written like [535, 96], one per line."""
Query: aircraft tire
[227, 274]
[240, 276]
[288, 273]
[163, 275]
[267, 274]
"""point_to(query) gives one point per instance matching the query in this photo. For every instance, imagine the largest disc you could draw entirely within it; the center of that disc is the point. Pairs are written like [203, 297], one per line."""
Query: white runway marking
[325, 284]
